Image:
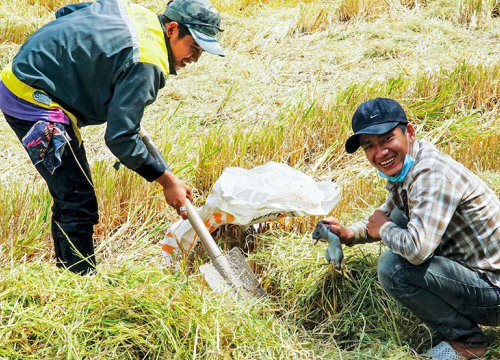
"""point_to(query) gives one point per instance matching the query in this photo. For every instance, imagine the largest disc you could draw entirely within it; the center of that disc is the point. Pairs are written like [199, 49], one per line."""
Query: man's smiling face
[387, 152]
[185, 50]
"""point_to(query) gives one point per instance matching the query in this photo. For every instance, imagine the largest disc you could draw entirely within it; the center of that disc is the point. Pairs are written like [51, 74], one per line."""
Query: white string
[74, 155]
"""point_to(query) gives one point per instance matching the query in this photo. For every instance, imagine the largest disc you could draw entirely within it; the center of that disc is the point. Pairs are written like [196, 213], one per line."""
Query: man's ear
[411, 132]
[171, 28]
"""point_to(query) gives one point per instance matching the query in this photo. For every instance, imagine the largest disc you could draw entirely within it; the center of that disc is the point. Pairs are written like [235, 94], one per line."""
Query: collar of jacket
[171, 68]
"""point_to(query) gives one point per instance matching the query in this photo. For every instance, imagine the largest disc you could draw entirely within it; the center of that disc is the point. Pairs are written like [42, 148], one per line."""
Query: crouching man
[443, 262]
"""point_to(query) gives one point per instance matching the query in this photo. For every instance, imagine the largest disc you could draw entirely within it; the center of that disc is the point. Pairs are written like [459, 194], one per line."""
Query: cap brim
[207, 43]
[352, 144]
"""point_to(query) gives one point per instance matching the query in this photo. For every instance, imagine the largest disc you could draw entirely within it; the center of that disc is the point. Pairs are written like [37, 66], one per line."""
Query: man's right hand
[345, 235]
[175, 192]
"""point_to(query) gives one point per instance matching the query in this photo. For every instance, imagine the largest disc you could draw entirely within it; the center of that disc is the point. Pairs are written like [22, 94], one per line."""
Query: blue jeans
[448, 296]
[74, 212]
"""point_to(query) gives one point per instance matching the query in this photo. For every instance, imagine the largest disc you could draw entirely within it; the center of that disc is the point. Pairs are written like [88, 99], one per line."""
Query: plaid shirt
[451, 210]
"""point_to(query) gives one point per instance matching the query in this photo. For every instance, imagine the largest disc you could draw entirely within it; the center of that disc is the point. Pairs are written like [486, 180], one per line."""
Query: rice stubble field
[295, 72]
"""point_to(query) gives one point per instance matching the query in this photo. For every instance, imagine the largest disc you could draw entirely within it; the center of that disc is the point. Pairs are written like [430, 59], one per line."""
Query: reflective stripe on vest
[149, 47]
[34, 96]
[147, 35]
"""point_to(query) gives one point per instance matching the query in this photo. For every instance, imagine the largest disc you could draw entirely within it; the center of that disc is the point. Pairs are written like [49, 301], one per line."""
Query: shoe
[443, 351]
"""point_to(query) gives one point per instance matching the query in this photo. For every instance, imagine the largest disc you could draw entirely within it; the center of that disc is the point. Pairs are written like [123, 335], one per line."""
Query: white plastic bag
[247, 197]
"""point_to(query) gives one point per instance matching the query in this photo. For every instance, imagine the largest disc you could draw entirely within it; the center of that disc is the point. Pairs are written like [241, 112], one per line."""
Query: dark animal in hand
[333, 252]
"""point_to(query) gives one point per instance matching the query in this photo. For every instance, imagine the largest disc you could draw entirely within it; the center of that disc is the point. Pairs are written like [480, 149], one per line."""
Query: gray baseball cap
[202, 20]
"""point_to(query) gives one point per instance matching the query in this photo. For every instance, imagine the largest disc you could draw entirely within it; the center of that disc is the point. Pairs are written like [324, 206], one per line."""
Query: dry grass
[302, 132]
[371, 9]
[475, 12]
[294, 73]
[314, 17]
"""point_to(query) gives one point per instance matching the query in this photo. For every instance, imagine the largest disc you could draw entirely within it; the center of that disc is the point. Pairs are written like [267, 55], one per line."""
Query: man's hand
[345, 235]
[375, 222]
[175, 192]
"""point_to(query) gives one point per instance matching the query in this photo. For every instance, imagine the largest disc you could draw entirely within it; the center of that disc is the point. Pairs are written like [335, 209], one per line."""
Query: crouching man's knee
[390, 266]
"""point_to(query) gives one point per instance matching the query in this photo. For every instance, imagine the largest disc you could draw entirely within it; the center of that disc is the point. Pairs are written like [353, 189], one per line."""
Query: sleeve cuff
[385, 229]
[359, 229]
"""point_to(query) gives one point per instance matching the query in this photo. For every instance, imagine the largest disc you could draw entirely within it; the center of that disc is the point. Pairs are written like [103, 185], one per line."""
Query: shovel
[229, 273]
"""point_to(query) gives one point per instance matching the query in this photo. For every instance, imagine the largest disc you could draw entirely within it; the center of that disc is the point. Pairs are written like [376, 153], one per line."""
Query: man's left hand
[375, 222]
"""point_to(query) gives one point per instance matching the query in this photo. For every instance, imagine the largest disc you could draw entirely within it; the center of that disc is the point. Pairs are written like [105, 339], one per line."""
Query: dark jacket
[91, 61]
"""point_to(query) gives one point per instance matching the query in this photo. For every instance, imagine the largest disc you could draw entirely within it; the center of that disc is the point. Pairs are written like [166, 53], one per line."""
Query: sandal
[443, 351]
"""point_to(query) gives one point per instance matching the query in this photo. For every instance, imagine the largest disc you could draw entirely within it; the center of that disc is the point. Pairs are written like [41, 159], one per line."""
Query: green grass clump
[132, 312]
[348, 312]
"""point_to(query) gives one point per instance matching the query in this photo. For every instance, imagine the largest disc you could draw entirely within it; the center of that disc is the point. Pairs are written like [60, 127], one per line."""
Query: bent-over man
[99, 62]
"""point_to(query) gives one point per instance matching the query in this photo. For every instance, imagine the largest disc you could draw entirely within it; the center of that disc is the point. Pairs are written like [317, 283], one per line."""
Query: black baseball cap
[376, 116]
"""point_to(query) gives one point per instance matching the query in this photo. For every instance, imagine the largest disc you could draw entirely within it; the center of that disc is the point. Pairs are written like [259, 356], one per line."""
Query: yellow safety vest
[32, 95]
[147, 37]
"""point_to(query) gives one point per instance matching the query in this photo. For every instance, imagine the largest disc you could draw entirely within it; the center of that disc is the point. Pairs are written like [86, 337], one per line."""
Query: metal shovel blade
[231, 273]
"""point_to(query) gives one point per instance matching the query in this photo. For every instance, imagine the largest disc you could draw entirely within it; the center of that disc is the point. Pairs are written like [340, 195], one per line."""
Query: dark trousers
[451, 298]
[74, 212]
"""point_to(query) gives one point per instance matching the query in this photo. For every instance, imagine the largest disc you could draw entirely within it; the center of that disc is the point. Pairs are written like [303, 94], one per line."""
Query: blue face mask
[401, 176]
